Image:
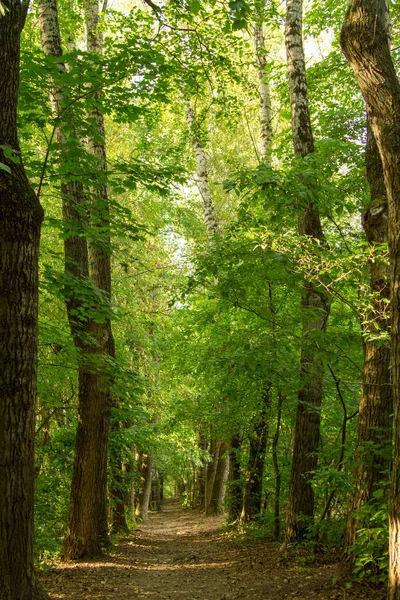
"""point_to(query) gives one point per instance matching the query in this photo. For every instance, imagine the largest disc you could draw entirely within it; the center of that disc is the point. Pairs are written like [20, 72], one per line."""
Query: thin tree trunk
[20, 221]
[211, 471]
[252, 499]
[365, 42]
[264, 92]
[202, 173]
[374, 428]
[129, 497]
[155, 491]
[315, 309]
[199, 487]
[277, 472]
[118, 494]
[235, 490]
[216, 504]
[100, 249]
[118, 491]
[145, 487]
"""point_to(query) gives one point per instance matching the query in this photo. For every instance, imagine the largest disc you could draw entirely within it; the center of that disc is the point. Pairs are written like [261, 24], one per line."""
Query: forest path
[181, 555]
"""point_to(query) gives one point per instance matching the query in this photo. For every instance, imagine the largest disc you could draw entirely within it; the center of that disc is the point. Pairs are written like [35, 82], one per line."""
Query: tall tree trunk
[374, 428]
[315, 308]
[100, 248]
[365, 42]
[215, 447]
[201, 474]
[235, 490]
[252, 499]
[86, 520]
[129, 497]
[20, 220]
[277, 472]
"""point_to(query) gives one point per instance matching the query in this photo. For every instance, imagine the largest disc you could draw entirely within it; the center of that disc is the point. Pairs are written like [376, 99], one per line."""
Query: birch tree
[264, 90]
[202, 172]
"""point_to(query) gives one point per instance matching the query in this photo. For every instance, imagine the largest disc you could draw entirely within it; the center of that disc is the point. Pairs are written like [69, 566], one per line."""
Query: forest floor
[182, 555]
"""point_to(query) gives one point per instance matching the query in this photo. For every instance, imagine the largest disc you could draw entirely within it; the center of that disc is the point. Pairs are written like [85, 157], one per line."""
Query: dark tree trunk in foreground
[315, 308]
[374, 428]
[365, 42]
[20, 220]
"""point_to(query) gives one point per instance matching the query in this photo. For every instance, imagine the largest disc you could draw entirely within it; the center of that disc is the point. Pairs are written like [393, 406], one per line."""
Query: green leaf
[4, 167]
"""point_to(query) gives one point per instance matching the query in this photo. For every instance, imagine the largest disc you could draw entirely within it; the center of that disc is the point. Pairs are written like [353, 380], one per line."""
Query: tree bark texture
[365, 42]
[87, 526]
[146, 471]
[202, 173]
[211, 471]
[20, 221]
[217, 497]
[100, 246]
[315, 308]
[374, 428]
[264, 92]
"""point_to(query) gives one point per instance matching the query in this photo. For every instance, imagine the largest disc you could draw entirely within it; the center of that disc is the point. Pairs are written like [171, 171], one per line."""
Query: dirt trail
[181, 555]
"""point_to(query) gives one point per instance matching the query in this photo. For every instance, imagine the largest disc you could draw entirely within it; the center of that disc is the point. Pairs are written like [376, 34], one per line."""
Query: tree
[365, 42]
[374, 427]
[21, 217]
[87, 529]
[315, 307]
[264, 89]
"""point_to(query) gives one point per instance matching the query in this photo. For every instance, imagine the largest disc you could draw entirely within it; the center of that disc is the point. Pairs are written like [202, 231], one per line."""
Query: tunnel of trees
[212, 312]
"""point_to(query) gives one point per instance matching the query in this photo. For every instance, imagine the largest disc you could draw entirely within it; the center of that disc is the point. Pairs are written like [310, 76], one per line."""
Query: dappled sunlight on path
[182, 555]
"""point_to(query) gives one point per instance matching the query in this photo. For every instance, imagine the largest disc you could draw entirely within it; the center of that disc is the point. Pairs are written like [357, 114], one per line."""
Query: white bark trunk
[264, 92]
[202, 173]
[301, 124]
[51, 44]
